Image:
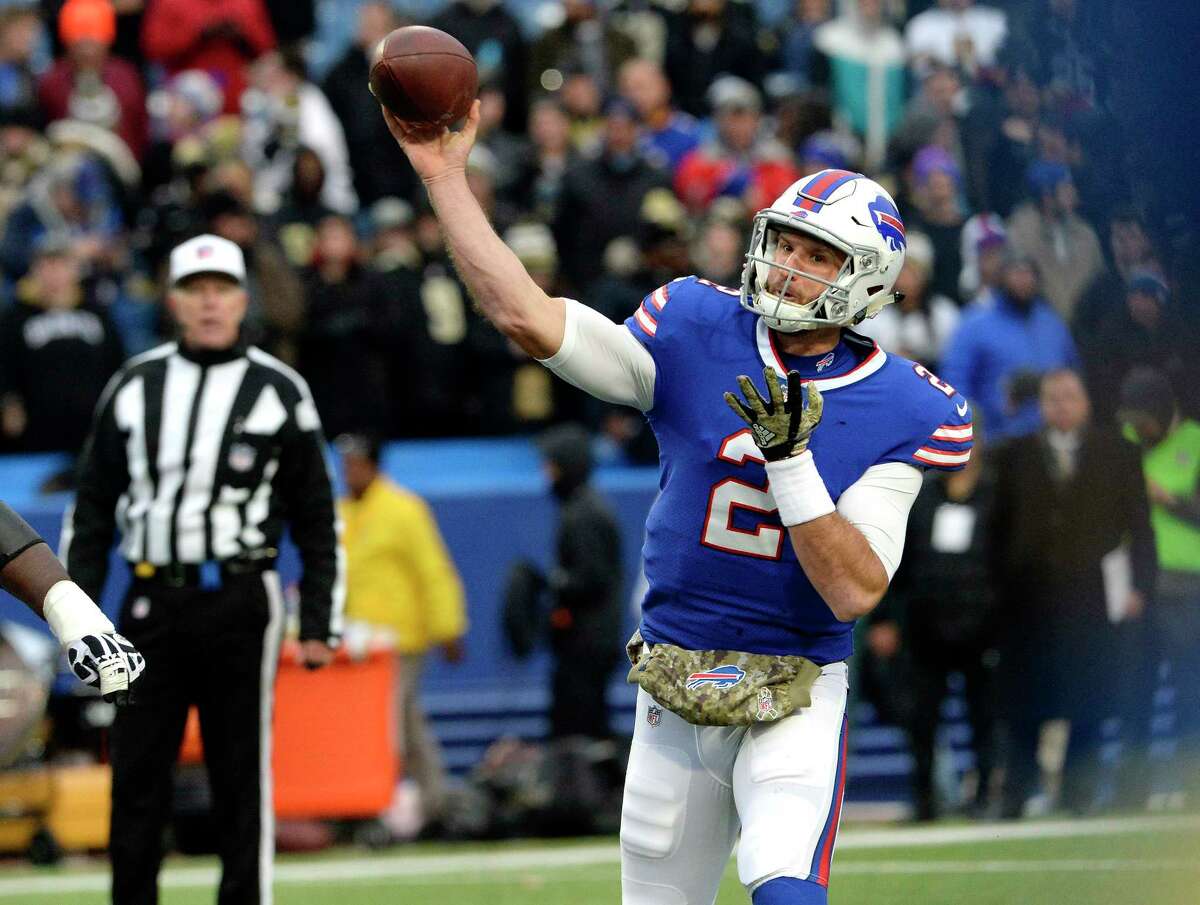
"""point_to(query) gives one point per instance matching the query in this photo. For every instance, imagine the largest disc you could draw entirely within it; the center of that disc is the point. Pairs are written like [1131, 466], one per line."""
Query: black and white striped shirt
[200, 456]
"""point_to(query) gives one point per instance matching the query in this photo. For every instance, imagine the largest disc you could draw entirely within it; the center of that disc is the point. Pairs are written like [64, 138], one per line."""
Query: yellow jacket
[399, 574]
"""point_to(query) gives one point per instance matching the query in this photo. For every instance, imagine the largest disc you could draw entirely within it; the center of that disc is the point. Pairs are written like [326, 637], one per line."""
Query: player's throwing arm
[505, 292]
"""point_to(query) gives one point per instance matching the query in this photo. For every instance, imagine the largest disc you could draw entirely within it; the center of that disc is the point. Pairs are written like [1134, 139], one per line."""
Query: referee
[200, 452]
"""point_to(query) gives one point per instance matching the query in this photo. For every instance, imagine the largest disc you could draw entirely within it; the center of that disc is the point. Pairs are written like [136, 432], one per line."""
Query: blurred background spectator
[58, 351]
[919, 325]
[940, 615]
[621, 176]
[282, 112]
[377, 172]
[708, 38]
[1066, 498]
[401, 581]
[939, 211]
[342, 351]
[957, 33]
[88, 83]
[668, 134]
[584, 587]
[1149, 327]
[864, 56]
[1049, 231]
[222, 37]
[1170, 446]
[584, 41]
[1002, 347]
[501, 51]
[742, 160]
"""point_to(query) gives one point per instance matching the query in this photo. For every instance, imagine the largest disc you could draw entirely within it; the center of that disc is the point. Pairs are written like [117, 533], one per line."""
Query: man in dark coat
[1065, 499]
[585, 587]
[941, 609]
[377, 172]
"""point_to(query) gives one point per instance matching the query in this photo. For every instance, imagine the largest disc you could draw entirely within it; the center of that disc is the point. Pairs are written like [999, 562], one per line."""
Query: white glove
[107, 661]
[96, 653]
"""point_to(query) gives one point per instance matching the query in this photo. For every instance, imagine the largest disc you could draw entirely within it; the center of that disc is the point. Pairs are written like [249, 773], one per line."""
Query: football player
[780, 519]
[31, 573]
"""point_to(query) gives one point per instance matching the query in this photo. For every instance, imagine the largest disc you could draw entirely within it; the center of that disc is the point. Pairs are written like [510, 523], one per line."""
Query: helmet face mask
[849, 213]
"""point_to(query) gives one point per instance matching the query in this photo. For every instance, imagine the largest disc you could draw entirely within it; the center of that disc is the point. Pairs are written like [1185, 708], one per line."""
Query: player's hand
[434, 153]
[780, 427]
[108, 662]
[315, 654]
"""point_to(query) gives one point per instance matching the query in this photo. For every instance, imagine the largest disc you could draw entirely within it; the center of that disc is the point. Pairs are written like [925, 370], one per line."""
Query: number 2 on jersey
[764, 541]
[934, 381]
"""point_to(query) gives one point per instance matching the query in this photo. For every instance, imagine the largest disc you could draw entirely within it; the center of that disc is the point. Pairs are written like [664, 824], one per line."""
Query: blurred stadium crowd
[622, 144]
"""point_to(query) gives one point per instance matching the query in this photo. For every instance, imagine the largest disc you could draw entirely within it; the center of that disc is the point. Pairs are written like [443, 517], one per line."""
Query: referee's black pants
[216, 649]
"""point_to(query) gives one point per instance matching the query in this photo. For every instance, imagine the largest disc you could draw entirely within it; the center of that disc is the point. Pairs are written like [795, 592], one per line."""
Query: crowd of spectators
[622, 144]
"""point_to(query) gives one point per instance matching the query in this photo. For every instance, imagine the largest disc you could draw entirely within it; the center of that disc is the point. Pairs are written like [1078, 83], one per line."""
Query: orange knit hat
[79, 20]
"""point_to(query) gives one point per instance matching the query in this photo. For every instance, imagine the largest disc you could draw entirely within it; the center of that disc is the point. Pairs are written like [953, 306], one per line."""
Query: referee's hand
[315, 654]
[107, 661]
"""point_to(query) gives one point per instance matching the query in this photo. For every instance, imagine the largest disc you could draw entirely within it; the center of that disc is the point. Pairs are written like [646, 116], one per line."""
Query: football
[424, 75]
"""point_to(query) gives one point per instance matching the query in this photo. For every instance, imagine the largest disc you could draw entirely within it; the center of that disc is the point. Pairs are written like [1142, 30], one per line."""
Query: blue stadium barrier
[493, 506]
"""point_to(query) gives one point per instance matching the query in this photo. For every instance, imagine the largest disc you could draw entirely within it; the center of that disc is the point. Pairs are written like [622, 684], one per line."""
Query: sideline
[469, 865]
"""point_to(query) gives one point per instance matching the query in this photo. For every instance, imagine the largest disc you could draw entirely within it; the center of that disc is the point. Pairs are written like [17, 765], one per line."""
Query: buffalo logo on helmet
[887, 222]
[722, 677]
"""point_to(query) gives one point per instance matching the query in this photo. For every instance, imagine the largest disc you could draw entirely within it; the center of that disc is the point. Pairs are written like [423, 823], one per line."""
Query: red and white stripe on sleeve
[646, 316]
[949, 446]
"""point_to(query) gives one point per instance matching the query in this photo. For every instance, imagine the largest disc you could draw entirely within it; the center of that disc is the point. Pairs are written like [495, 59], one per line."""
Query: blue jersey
[720, 568]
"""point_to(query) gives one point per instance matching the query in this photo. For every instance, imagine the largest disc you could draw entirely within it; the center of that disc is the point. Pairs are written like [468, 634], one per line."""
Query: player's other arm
[31, 573]
[501, 286]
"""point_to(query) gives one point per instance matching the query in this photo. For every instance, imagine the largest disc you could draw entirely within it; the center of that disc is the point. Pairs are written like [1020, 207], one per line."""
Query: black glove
[108, 662]
[780, 427]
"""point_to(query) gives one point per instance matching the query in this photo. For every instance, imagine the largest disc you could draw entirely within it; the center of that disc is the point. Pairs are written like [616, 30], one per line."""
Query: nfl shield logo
[654, 715]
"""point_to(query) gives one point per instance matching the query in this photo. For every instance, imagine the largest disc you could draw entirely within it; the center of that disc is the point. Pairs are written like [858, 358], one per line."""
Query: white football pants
[690, 790]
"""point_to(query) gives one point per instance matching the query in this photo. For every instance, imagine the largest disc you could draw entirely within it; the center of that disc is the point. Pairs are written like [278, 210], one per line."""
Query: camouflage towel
[721, 687]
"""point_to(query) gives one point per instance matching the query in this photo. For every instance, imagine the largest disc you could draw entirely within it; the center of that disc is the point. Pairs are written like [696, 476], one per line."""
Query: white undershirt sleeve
[878, 503]
[603, 359]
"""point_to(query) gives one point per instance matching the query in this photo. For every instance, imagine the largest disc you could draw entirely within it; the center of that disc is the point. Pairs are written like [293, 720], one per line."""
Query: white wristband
[72, 613]
[799, 492]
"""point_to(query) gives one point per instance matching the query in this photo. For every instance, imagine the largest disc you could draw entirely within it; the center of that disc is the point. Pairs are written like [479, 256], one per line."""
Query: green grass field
[1152, 861]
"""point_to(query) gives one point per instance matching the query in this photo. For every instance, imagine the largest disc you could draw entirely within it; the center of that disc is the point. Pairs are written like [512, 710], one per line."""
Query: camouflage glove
[781, 427]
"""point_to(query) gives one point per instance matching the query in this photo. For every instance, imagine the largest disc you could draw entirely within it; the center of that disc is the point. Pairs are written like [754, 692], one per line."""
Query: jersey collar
[770, 356]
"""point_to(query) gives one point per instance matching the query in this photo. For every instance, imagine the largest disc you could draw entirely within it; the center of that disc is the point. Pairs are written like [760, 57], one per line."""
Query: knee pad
[790, 891]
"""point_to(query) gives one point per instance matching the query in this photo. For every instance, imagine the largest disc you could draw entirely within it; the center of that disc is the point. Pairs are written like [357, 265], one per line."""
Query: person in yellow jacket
[400, 578]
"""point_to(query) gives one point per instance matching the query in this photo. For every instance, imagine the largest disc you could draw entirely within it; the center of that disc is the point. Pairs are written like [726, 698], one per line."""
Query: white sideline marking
[471, 866]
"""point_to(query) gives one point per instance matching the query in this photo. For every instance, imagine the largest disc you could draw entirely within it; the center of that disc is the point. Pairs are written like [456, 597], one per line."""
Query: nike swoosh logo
[961, 409]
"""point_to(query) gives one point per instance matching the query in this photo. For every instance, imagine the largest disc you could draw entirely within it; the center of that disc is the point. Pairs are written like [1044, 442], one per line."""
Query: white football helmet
[849, 212]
